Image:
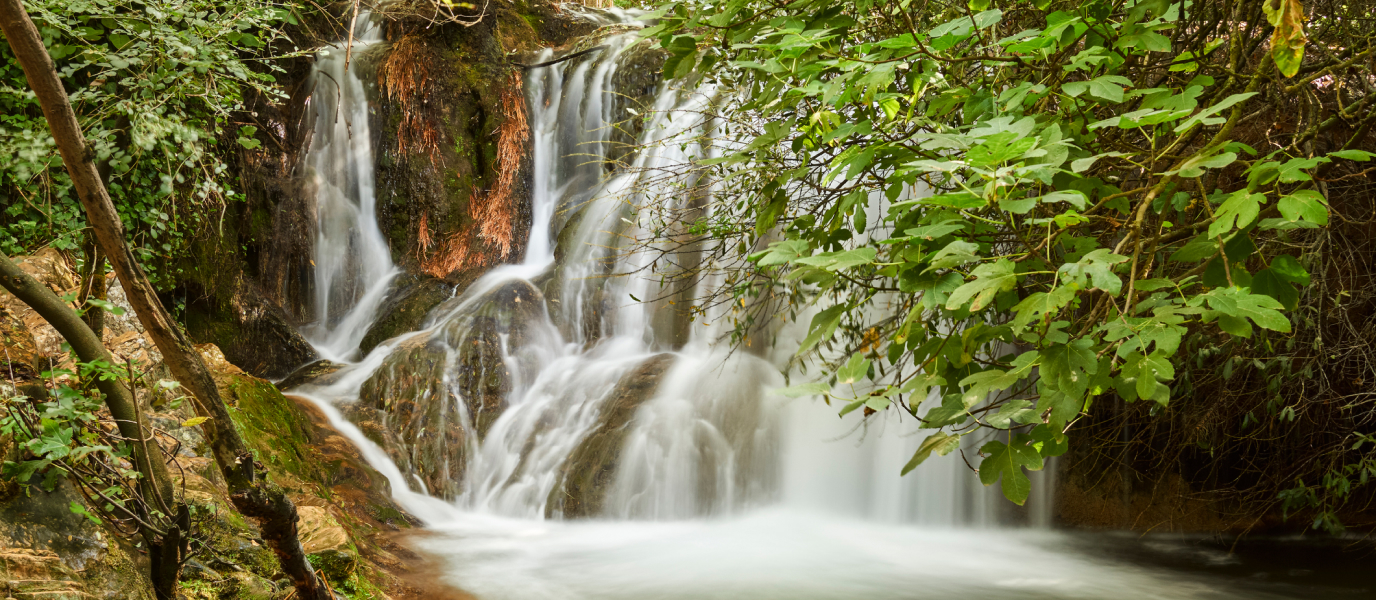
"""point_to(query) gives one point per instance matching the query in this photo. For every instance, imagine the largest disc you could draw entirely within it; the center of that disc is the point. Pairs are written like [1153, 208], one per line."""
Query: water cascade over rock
[353, 265]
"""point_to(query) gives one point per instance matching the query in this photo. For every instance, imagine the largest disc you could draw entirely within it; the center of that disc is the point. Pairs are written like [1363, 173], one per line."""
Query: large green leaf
[1307, 205]
[990, 279]
[835, 261]
[1008, 462]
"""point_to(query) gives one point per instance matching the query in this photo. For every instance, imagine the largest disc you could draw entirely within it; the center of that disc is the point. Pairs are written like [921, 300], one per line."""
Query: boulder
[407, 408]
[409, 301]
[590, 469]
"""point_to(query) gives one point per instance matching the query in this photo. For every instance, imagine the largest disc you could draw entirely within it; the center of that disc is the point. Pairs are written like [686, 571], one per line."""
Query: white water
[352, 263]
[721, 490]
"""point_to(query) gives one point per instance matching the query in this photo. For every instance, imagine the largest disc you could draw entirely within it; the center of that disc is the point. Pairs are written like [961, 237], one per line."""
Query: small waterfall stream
[699, 482]
[353, 265]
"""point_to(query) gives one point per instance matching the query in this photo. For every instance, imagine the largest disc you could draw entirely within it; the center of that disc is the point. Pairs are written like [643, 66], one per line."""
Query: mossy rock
[338, 565]
[590, 469]
[408, 303]
[48, 552]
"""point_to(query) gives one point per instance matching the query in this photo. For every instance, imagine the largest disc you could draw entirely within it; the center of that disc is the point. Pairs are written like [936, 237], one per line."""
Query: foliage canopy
[1009, 210]
[156, 85]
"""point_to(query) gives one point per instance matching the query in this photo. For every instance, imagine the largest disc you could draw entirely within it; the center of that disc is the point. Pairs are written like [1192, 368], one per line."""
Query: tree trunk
[264, 502]
[89, 349]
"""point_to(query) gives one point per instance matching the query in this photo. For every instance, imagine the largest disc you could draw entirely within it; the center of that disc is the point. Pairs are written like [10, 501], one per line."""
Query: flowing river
[625, 451]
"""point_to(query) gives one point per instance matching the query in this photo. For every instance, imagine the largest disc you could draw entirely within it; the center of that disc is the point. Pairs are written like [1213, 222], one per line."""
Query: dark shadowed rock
[320, 372]
[591, 468]
[253, 333]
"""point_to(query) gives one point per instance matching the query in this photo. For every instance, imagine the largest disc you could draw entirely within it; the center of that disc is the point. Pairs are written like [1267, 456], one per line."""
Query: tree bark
[266, 503]
[93, 286]
[89, 348]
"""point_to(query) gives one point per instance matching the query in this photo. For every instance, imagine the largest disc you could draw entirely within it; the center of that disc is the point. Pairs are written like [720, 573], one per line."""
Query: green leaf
[1203, 116]
[1357, 155]
[784, 252]
[1108, 87]
[955, 253]
[835, 261]
[990, 279]
[1040, 304]
[1195, 166]
[1307, 205]
[78, 509]
[1289, 269]
[1013, 411]
[1198, 249]
[1008, 462]
[1096, 268]
[1147, 370]
[823, 326]
[932, 232]
[854, 370]
[1236, 302]
[1240, 209]
[938, 443]
[1293, 170]
[1266, 281]
[920, 385]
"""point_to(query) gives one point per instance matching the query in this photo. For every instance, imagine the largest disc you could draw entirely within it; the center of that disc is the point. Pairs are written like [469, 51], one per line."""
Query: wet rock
[513, 310]
[320, 372]
[438, 393]
[407, 304]
[408, 409]
[636, 78]
[253, 333]
[590, 469]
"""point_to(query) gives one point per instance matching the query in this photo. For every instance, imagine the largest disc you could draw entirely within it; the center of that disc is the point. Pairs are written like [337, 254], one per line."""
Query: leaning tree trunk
[89, 348]
[256, 498]
[166, 548]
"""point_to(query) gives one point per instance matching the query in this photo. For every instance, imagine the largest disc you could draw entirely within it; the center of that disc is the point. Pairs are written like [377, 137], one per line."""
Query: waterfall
[566, 431]
[352, 262]
[701, 436]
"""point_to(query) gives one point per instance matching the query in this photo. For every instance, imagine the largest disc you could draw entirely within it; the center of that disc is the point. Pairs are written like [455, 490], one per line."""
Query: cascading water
[353, 265]
[510, 414]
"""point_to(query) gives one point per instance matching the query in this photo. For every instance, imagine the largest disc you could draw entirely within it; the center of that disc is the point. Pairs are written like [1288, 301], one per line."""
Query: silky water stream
[706, 485]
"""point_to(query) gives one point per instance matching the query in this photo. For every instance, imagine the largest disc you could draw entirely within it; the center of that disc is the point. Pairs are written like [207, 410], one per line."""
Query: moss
[272, 425]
